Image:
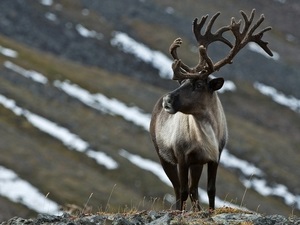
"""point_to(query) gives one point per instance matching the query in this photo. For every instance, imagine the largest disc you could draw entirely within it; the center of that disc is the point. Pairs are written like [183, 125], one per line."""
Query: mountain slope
[261, 131]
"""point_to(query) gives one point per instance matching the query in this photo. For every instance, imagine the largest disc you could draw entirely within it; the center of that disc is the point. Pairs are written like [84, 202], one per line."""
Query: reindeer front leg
[172, 174]
[195, 174]
[183, 171]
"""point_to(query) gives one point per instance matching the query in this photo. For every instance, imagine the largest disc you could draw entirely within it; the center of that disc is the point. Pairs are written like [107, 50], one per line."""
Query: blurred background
[79, 79]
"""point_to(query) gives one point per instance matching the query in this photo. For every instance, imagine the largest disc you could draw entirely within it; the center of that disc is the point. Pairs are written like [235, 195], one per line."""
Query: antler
[205, 65]
[245, 36]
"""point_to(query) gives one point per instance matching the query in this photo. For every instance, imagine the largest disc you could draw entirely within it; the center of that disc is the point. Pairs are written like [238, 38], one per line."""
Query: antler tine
[173, 51]
[208, 36]
[263, 44]
[248, 20]
[211, 22]
[173, 47]
[210, 66]
[257, 24]
[197, 27]
[180, 74]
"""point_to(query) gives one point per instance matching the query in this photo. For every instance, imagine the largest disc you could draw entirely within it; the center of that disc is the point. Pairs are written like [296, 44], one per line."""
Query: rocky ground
[222, 216]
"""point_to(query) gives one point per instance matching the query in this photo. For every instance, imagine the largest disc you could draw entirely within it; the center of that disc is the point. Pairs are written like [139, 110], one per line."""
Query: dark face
[192, 95]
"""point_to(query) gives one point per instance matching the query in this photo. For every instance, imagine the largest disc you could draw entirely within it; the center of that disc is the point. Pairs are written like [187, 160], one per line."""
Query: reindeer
[188, 125]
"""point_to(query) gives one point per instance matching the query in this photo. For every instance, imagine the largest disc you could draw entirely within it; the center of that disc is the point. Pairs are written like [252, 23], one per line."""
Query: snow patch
[103, 159]
[104, 104]
[288, 101]
[36, 76]
[261, 186]
[46, 2]
[20, 191]
[85, 12]
[253, 177]
[84, 32]
[227, 86]
[70, 140]
[51, 16]
[230, 161]
[157, 59]
[8, 52]
[147, 165]
[170, 10]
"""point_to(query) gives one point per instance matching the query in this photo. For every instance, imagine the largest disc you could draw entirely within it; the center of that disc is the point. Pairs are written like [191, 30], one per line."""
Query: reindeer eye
[199, 85]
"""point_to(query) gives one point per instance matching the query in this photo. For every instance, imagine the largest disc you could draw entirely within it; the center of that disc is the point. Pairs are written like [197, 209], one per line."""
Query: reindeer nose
[167, 99]
[168, 104]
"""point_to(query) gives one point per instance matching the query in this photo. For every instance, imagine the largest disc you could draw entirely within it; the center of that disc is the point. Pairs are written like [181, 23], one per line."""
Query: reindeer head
[196, 88]
[193, 95]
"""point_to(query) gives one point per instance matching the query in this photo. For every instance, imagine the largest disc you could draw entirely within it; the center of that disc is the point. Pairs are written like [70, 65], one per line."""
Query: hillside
[76, 101]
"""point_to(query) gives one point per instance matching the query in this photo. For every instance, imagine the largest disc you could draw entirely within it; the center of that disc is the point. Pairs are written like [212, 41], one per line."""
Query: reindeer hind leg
[212, 168]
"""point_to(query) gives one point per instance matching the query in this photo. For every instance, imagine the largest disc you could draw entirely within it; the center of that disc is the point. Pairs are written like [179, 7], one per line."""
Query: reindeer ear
[216, 84]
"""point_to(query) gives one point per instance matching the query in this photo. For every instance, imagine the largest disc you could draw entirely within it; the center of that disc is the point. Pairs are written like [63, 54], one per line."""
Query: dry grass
[230, 210]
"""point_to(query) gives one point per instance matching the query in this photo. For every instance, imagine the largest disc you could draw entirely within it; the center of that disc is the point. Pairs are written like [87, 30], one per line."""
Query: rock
[234, 218]
[275, 220]
[17, 221]
[157, 218]
[45, 218]
[153, 215]
[89, 220]
[95, 219]
[255, 219]
[164, 220]
[121, 221]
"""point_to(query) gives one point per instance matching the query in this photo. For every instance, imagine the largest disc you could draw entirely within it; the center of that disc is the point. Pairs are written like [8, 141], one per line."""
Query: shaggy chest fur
[182, 137]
